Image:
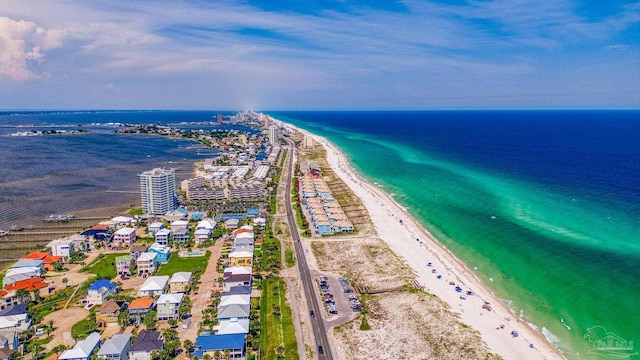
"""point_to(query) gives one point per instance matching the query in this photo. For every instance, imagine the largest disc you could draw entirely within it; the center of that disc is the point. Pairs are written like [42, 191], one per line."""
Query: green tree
[65, 281]
[150, 319]
[123, 319]
[188, 346]
[183, 310]
[23, 296]
[172, 322]
[36, 349]
[170, 334]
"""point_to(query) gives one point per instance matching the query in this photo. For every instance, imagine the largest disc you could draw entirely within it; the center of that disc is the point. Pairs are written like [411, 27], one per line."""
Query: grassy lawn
[277, 336]
[190, 264]
[105, 267]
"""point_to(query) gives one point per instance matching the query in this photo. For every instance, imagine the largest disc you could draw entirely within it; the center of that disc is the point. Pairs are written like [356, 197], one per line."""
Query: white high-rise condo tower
[158, 190]
[273, 135]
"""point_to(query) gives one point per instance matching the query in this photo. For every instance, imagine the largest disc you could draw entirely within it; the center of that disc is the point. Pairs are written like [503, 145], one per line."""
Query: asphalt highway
[310, 291]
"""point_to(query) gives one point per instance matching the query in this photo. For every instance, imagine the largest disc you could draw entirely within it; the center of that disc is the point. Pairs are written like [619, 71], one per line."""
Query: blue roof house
[163, 251]
[209, 344]
[99, 290]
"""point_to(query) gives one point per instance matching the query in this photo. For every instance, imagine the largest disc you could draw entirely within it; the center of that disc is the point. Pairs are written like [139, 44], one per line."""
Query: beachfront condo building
[158, 190]
[273, 135]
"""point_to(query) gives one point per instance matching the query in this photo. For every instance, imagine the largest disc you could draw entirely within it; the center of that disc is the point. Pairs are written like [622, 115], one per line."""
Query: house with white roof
[238, 270]
[115, 348]
[162, 236]
[259, 221]
[64, 246]
[154, 227]
[233, 326]
[180, 282]
[179, 224]
[235, 299]
[83, 350]
[206, 223]
[244, 238]
[167, 306]
[124, 220]
[155, 285]
[124, 236]
[147, 263]
[202, 235]
[15, 318]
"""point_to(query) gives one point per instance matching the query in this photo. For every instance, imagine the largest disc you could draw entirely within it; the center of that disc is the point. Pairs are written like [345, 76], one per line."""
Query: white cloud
[22, 46]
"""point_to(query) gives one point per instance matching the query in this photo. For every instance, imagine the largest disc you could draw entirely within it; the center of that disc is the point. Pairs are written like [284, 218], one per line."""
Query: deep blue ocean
[543, 205]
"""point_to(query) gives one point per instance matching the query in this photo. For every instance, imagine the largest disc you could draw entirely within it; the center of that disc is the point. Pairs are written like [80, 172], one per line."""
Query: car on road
[312, 314]
[320, 351]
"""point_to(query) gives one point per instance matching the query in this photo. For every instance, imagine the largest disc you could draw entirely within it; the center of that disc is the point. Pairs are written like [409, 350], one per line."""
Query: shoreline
[416, 246]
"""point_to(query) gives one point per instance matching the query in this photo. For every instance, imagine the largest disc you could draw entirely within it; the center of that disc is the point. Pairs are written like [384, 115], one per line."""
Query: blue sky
[312, 55]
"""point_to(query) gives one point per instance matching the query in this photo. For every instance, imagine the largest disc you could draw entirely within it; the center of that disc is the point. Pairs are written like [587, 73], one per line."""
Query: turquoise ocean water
[545, 206]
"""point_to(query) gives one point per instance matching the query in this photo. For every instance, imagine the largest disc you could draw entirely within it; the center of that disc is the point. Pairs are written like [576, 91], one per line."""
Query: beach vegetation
[277, 333]
[83, 328]
[289, 257]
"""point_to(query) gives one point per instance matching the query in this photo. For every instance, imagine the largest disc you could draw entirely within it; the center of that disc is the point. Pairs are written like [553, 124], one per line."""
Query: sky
[320, 55]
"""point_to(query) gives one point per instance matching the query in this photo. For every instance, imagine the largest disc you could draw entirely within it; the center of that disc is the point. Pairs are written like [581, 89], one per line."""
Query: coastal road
[317, 323]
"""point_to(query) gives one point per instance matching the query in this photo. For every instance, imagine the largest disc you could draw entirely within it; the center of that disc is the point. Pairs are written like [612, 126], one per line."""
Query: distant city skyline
[334, 55]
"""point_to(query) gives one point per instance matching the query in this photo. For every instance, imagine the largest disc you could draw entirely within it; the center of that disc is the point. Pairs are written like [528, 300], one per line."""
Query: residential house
[124, 237]
[9, 340]
[108, 313]
[140, 307]
[49, 261]
[244, 239]
[13, 275]
[84, 349]
[124, 264]
[154, 227]
[155, 285]
[180, 282]
[168, 305]
[239, 311]
[7, 295]
[231, 223]
[65, 246]
[146, 342]
[237, 290]
[162, 237]
[259, 221]
[235, 299]
[241, 258]
[180, 236]
[236, 280]
[99, 290]
[147, 263]
[201, 235]
[179, 225]
[163, 252]
[233, 326]
[210, 344]
[15, 318]
[136, 250]
[231, 270]
[115, 348]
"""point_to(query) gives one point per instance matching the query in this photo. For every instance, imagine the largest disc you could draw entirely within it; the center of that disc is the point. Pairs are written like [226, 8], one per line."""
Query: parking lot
[337, 296]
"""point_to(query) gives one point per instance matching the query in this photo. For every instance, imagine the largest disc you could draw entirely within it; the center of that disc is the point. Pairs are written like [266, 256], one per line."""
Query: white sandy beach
[417, 247]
